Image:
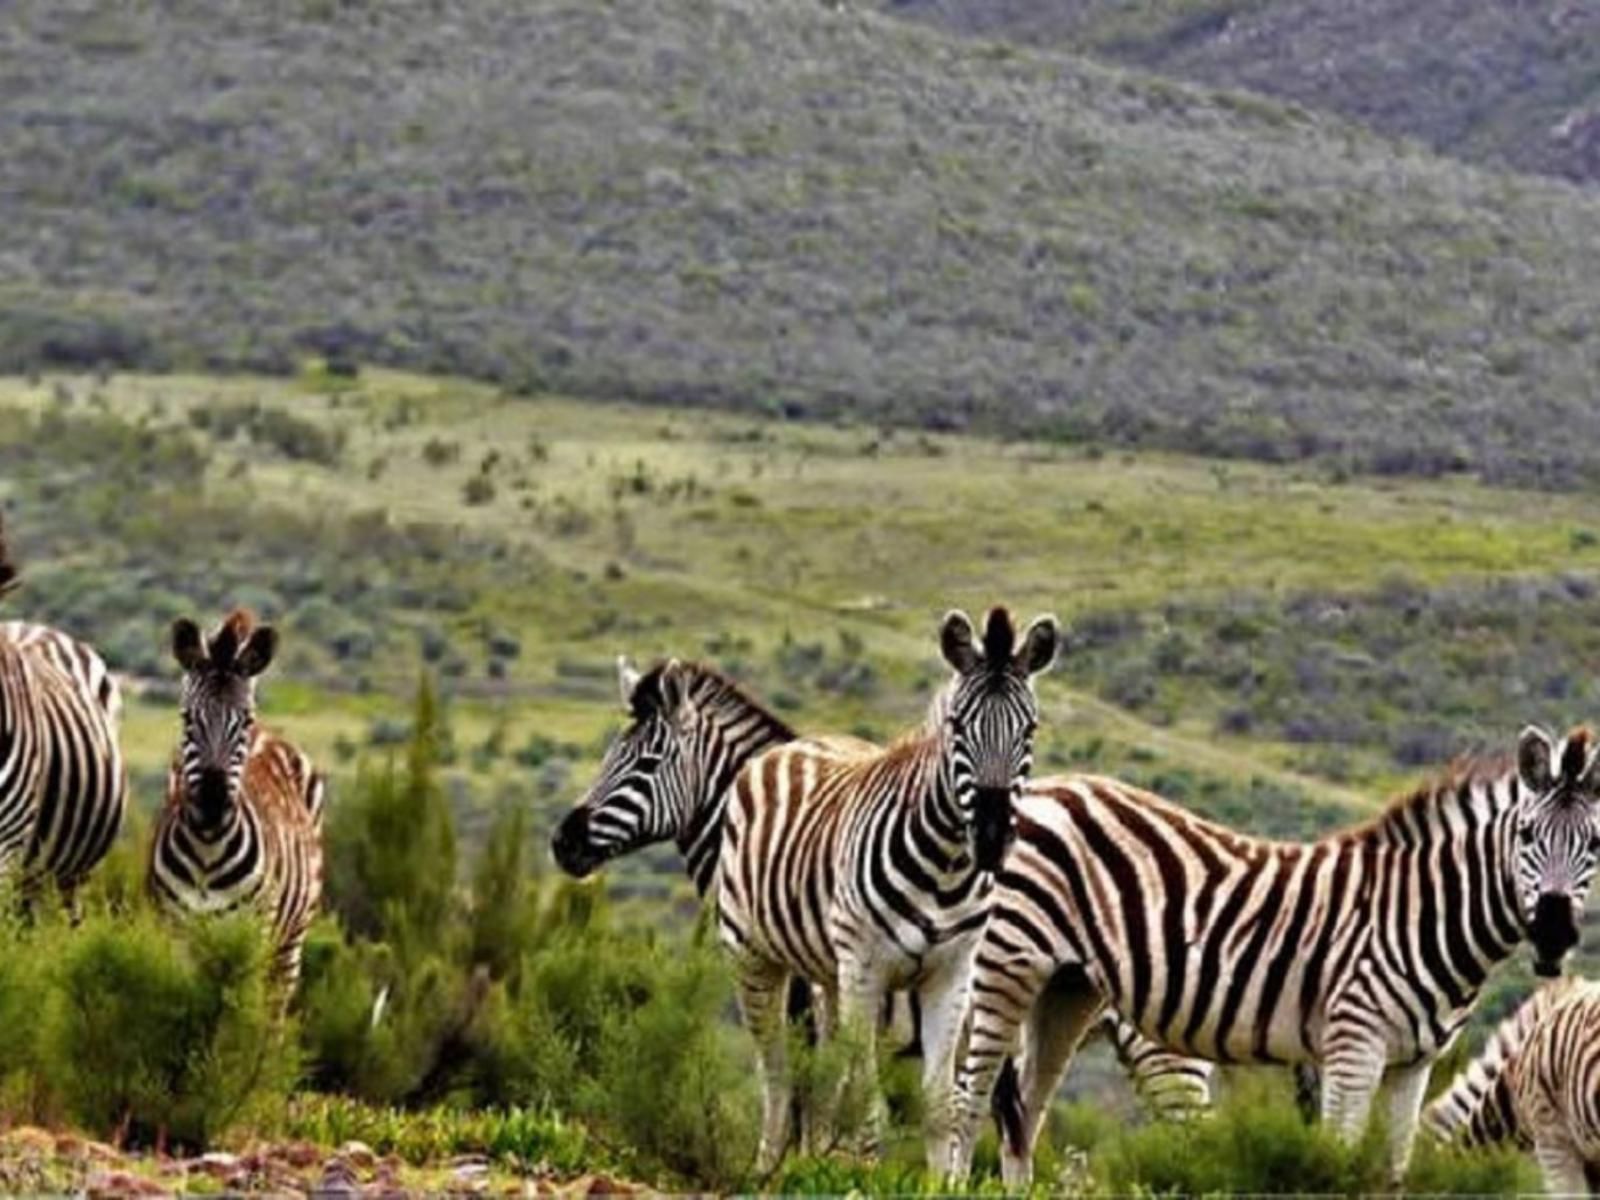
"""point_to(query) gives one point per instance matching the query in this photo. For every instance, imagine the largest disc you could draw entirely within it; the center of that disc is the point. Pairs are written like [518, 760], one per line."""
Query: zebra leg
[816, 1117]
[1062, 1015]
[762, 987]
[1170, 1086]
[943, 1000]
[861, 992]
[1352, 1070]
[1562, 1168]
[1003, 994]
[1308, 1091]
[1405, 1087]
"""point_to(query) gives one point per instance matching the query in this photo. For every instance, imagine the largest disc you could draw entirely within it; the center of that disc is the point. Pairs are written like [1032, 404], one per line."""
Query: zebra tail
[1006, 1106]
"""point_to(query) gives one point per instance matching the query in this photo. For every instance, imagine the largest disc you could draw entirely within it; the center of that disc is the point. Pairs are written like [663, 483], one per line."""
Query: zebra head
[1557, 822]
[646, 787]
[218, 705]
[991, 716]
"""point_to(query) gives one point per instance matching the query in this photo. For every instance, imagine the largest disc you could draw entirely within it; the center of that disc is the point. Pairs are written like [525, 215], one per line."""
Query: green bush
[1253, 1145]
[161, 1033]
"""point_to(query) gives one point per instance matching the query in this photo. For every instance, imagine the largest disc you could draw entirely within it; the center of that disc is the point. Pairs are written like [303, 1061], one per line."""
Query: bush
[1253, 1145]
[161, 1034]
[391, 844]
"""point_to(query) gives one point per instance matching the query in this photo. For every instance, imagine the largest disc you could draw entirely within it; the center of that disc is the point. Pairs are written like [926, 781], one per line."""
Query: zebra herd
[1008, 916]
[241, 823]
[1018, 914]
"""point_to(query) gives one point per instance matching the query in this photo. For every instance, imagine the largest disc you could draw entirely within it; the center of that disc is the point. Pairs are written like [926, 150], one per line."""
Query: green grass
[847, 538]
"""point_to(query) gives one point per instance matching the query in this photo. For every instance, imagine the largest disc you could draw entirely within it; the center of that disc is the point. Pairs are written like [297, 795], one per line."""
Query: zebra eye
[1594, 843]
[1525, 835]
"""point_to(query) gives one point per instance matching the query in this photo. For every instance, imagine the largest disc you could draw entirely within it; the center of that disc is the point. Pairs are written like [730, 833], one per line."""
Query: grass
[798, 556]
[784, 210]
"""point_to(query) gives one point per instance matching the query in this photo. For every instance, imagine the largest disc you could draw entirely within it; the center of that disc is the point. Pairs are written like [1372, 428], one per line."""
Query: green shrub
[673, 1081]
[391, 844]
[1253, 1145]
[159, 1032]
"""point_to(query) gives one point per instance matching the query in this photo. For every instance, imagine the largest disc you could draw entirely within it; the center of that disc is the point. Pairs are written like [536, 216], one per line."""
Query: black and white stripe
[868, 870]
[1536, 1084]
[242, 824]
[667, 774]
[1363, 952]
[63, 784]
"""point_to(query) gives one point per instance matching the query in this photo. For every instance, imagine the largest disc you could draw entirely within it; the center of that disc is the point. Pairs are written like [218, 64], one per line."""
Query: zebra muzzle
[1553, 931]
[993, 827]
[570, 845]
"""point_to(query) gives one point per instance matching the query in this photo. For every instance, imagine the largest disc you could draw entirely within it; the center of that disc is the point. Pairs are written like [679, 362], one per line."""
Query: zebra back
[80, 797]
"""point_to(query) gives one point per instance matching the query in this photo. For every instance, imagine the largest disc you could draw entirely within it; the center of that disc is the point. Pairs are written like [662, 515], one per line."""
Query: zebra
[1536, 1084]
[867, 869]
[666, 776]
[1363, 952]
[242, 822]
[691, 729]
[63, 781]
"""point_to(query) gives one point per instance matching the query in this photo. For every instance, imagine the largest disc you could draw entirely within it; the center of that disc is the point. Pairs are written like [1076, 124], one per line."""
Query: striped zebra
[1536, 1084]
[63, 783]
[868, 870]
[242, 823]
[1363, 952]
[666, 776]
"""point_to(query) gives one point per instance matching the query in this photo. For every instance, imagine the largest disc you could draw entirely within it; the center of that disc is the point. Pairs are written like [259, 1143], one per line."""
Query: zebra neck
[701, 837]
[1463, 892]
[941, 808]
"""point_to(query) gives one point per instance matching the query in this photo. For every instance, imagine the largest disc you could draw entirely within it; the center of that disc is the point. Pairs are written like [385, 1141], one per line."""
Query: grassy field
[775, 208]
[812, 560]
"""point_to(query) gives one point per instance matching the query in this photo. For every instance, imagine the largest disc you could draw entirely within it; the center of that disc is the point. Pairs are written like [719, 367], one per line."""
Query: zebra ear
[627, 680]
[674, 689]
[1039, 645]
[955, 640]
[188, 647]
[257, 654]
[1579, 758]
[1534, 754]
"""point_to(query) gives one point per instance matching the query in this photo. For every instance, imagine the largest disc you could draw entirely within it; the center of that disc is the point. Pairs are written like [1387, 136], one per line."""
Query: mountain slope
[770, 206]
[1515, 85]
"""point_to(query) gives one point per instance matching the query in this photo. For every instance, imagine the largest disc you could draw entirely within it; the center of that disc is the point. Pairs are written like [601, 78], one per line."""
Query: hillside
[1510, 85]
[1274, 649]
[775, 208]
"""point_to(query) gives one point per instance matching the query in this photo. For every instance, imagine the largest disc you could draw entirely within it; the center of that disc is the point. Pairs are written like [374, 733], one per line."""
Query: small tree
[392, 846]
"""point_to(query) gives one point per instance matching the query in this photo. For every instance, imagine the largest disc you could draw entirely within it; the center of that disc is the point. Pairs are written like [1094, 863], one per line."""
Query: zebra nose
[570, 844]
[212, 797]
[992, 827]
[1553, 931]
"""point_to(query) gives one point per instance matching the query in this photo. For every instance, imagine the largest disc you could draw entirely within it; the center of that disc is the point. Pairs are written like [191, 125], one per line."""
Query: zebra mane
[8, 569]
[230, 637]
[917, 740]
[710, 687]
[1443, 789]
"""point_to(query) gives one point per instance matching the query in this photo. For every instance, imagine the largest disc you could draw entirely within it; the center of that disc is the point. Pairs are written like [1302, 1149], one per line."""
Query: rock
[217, 1164]
[30, 1139]
[299, 1155]
[115, 1185]
[359, 1155]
